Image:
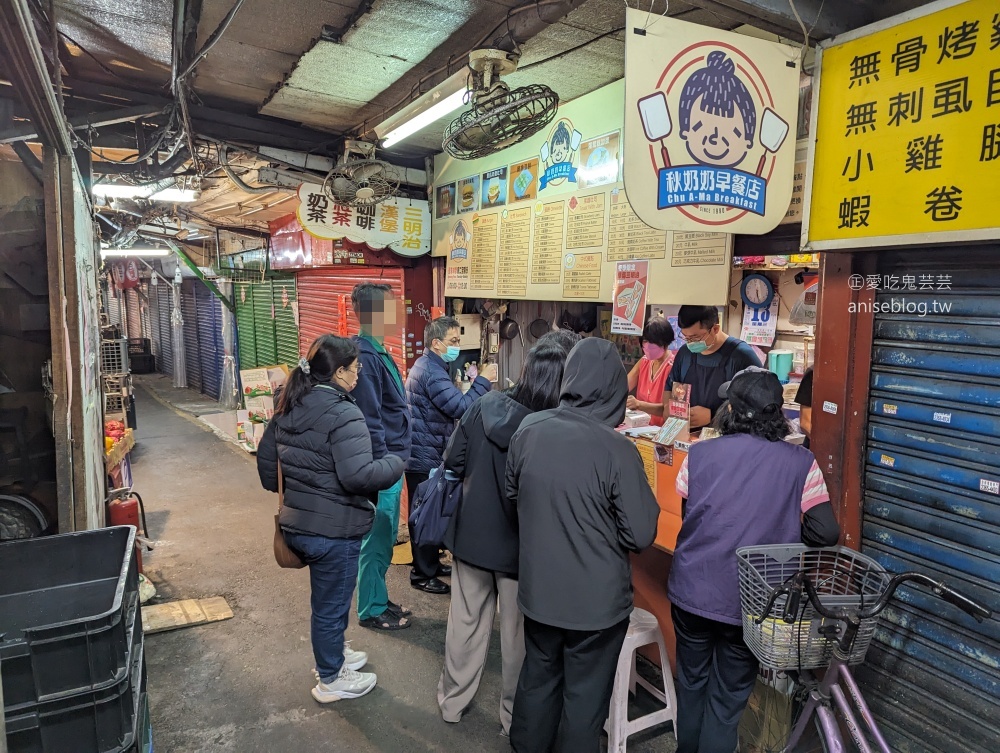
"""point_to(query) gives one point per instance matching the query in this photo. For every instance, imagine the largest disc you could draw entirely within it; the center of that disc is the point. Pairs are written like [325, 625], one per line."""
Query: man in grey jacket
[583, 504]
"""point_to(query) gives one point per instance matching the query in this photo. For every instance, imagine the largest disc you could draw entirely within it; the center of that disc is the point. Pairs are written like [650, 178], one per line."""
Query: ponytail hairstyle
[326, 356]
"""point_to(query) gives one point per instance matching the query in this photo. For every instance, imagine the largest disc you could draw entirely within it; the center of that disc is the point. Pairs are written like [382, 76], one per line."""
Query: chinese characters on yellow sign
[908, 131]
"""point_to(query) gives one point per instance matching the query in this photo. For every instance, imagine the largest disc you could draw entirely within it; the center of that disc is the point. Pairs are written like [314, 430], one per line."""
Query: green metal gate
[266, 322]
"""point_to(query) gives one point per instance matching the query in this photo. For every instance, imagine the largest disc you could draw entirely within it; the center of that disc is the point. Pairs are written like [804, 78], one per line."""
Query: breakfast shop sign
[710, 122]
[907, 142]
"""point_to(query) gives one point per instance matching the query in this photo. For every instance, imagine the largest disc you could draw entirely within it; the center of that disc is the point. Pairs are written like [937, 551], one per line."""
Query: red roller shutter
[320, 292]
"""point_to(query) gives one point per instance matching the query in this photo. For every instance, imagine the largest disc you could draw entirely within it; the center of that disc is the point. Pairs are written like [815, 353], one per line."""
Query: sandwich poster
[468, 194]
[495, 188]
[523, 181]
[628, 302]
[710, 123]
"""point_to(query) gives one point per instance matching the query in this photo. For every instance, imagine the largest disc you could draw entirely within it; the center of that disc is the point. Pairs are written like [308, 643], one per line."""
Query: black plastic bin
[103, 721]
[68, 614]
[139, 346]
[142, 363]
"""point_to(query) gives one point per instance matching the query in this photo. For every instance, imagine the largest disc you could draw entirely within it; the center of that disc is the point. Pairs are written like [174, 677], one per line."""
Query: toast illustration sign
[707, 119]
[628, 307]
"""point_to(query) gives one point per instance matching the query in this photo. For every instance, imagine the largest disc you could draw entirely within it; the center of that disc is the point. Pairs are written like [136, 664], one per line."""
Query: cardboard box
[245, 431]
[261, 382]
[260, 409]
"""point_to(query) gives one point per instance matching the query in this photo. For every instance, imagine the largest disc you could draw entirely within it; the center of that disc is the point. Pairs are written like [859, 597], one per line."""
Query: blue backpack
[432, 507]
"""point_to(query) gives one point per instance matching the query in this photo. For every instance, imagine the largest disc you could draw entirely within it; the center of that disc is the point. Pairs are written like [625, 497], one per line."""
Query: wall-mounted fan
[359, 179]
[499, 117]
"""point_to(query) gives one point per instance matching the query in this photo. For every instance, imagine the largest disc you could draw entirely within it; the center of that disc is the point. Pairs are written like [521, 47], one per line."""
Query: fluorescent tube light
[424, 119]
[146, 251]
[176, 195]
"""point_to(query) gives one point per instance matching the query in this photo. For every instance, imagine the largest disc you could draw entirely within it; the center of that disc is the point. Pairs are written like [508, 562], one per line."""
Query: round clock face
[757, 290]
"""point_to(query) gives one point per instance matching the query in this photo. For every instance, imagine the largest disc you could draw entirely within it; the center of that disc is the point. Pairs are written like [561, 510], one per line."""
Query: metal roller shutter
[133, 313]
[932, 504]
[192, 351]
[165, 349]
[246, 330]
[210, 341]
[286, 331]
[114, 305]
[320, 292]
[263, 317]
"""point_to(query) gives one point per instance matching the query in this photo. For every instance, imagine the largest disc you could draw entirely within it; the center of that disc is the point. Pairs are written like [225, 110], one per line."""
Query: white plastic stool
[643, 630]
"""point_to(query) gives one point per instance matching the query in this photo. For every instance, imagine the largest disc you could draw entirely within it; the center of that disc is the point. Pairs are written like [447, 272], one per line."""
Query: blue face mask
[451, 354]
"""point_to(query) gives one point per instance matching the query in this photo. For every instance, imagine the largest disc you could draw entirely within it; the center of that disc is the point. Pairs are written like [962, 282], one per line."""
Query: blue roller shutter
[932, 504]
[192, 349]
[210, 341]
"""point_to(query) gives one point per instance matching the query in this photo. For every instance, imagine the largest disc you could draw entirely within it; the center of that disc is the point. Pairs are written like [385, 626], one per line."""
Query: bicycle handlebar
[800, 582]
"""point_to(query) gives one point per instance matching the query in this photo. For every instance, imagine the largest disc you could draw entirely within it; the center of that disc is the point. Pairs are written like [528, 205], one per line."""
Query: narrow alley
[243, 685]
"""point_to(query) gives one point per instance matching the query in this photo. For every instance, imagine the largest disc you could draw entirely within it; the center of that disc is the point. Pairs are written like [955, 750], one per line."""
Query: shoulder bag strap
[281, 483]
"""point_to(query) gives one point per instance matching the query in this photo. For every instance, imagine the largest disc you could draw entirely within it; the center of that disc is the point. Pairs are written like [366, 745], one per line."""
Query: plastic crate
[65, 604]
[103, 721]
[114, 356]
[142, 363]
[139, 346]
[842, 578]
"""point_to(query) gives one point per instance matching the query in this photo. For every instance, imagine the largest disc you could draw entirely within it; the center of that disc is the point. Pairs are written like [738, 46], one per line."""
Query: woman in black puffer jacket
[319, 442]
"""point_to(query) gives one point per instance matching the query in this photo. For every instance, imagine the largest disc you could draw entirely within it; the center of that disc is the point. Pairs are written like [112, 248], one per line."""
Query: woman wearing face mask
[435, 405]
[648, 378]
[319, 443]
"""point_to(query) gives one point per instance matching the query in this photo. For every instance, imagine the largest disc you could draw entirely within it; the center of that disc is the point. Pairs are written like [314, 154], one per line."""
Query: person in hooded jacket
[583, 504]
[482, 536]
[319, 444]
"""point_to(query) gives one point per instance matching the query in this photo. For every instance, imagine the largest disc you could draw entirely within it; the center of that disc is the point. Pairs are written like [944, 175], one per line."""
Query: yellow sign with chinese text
[907, 134]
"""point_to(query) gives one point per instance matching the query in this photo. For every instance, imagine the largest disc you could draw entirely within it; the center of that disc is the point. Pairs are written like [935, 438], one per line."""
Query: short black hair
[658, 331]
[688, 316]
[366, 294]
[540, 384]
[564, 338]
[438, 328]
[768, 424]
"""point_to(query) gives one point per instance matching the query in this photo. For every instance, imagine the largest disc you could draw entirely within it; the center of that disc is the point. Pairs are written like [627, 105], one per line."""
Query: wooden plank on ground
[158, 618]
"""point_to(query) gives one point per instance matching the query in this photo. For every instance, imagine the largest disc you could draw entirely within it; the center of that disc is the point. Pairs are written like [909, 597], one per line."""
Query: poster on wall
[560, 155]
[468, 194]
[523, 181]
[708, 115]
[495, 188]
[403, 225]
[444, 204]
[600, 160]
[459, 243]
[628, 302]
[906, 135]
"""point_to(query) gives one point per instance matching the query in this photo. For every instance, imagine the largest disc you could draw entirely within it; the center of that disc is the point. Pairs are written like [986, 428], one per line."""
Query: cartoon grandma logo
[560, 155]
[459, 241]
[727, 126]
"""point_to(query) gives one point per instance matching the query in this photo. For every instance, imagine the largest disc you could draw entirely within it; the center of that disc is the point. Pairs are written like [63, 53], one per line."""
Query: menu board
[582, 276]
[515, 248]
[698, 249]
[648, 455]
[631, 238]
[483, 252]
[586, 221]
[550, 236]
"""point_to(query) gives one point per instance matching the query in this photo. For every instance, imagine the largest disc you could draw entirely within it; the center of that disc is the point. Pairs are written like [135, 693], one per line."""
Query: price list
[631, 238]
[698, 249]
[483, 252]
[515, 248]
[585, 228]
[550, 235]
[582, 278]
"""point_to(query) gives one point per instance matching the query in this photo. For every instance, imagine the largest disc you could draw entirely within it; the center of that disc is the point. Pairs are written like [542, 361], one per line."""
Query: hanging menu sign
[586, 221]
[698, 249]
[483, 254]
[582, 276]
[515, 248]
[631, 238]
[550, 235]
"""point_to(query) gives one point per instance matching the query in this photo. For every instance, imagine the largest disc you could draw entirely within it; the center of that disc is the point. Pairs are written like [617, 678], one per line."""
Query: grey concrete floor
[243, 685]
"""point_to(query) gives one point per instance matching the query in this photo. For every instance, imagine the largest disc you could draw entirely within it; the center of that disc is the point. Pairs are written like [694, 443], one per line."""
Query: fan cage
[499, 121]
[383, 183]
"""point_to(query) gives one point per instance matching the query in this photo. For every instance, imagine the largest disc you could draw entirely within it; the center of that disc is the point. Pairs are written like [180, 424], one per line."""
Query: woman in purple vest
[745, 488]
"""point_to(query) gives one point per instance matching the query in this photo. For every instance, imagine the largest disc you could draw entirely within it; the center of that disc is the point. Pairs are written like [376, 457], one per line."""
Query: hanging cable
[564, 53]
[212, 41]
[236, 179]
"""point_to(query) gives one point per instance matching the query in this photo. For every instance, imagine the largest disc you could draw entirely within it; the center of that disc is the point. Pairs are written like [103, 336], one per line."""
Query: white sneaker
[349, 684]
[352, 659]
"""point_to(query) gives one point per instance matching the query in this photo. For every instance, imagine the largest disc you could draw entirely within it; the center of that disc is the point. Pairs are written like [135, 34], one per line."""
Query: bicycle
[832, 627]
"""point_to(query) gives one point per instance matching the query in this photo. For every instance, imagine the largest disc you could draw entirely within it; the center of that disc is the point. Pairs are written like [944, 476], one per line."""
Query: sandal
[398, 610]
[385, 621]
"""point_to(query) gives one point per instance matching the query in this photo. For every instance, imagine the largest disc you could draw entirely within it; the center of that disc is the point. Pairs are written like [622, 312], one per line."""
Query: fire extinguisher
[125, 508]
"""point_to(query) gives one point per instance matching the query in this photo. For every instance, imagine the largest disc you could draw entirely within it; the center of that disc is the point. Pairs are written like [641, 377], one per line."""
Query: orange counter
[651, 568]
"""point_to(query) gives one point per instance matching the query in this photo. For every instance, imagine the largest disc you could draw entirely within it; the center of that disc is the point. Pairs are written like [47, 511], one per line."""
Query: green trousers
[376, 554]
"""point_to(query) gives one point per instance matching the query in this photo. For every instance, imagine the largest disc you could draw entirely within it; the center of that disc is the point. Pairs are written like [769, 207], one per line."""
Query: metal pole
[177, 327]
[3, 725]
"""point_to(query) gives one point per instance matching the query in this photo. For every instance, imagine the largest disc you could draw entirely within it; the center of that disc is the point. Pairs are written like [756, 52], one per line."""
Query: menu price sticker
[550, 234]
[483, 251]
[585, 228]
[760, 325]
[631, 238]
[698, 249]
[582, 276]
[515, 248]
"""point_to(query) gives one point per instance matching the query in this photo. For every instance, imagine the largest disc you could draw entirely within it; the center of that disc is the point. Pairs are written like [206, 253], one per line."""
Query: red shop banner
[629, 297]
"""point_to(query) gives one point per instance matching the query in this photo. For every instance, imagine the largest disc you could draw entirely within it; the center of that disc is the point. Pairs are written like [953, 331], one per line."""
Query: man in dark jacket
[435, 405]
[583, 503]
[382, 399]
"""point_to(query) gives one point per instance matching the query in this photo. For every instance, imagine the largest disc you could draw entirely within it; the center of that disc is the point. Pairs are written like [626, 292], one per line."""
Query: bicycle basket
[842, 578]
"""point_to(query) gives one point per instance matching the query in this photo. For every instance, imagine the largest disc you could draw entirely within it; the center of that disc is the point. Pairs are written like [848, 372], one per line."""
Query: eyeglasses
[356, 369]
[698, 339]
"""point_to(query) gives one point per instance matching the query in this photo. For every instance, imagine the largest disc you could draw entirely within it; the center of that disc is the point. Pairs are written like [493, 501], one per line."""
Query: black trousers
[426, 559]
[564, 691]
[716, 673]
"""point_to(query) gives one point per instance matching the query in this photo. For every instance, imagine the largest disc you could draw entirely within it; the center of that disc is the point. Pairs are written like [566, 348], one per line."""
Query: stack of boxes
[259, 389]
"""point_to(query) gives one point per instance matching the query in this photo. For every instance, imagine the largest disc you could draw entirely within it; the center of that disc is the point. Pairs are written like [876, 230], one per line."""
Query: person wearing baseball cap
[747, 487]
